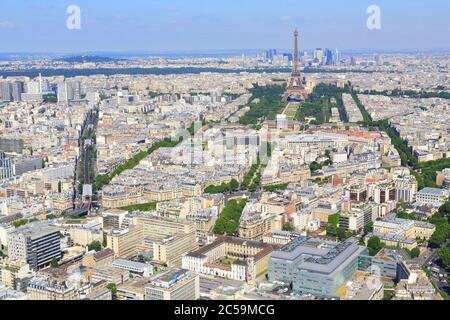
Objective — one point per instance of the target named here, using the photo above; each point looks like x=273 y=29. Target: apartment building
x=85 y=235
x=142 y=269
x=171 y=249
x=359 y=216
x=37 y=245
x=402 y=232
x=266 y=215
x=114 y=218
x=13 y=273
x=109 y=274
x=43 y=288
x=125 y=243
x=133 y=289
x=432 y=196
x=167 y=239
x=174 y=284
x=443 y=178
x=405 y=189
x=357 y=193
x=230 y=258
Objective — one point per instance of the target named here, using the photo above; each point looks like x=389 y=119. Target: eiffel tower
x=295 y=91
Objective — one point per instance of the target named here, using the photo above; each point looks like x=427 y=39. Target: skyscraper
x=46 y=87
x=40 y=83
x=62 y=93
x=34 y=87
x=74 y=90
x=68 y=91
x=6 y=91
x=336 y=57
x=289 y=56
x=378 y=60
x=17 y=90
x=328 y=59
x=318 y=56
x=270 y=54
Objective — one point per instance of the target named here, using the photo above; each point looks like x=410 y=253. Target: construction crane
x=44 y=209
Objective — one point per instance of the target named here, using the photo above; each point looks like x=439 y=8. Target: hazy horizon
x=225 y=52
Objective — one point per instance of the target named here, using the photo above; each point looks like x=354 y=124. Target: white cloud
x=172 y=8
x=120 y=17
x=7 y=24
x=285 y=18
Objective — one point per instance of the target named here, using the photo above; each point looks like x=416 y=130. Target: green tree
x=234 y=184
x=274 y=187
x=444 y=255
x=343 y=234
x=266 y=104
x=288 y=226
x=333 y=229
x=415 y=252
x=54 y=263
x=20 y=223
x=374 y=245
x=145 y=207
x=153 y=94
x=333 y=219
x=95 y=245
x=368 y=228
x=374 y=242
x=113 y=288
x=405 y=215
x=320 y=102
x=224 y=187
x=442 y=231
x=228 y=221
x=314 y=166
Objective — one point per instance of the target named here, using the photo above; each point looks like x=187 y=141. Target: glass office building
x=6 y=166
x=315 y=266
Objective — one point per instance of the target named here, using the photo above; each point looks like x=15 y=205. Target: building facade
x=36 y=246
x=315 y=266
x=175 y=284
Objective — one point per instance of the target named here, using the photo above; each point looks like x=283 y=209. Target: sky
x=196 y=25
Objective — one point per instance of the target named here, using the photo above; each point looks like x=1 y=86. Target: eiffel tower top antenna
x=295 y=57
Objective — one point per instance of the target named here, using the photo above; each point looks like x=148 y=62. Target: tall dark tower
x=295 y=70
x=295 y=91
